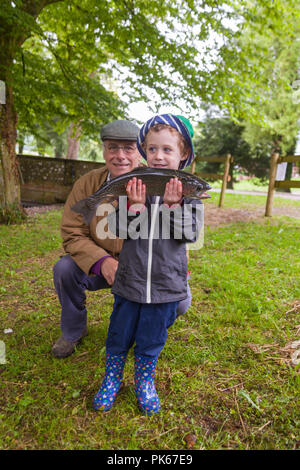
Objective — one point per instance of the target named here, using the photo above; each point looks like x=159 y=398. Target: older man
x=92 y=259
x=90 y=262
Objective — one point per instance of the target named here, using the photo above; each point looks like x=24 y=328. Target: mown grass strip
x=225 y=375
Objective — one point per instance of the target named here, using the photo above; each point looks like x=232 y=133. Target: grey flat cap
x=120 y=130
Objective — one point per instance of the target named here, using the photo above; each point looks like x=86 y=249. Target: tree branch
x=34 y=7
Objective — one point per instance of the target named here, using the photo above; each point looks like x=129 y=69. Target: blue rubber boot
x=147 y=398
x=105 y=397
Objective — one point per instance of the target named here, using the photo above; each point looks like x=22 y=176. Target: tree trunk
x=11 y=39
x=73 y=142
x=10 y=192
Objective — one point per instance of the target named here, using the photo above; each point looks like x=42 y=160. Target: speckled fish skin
x=155 y=180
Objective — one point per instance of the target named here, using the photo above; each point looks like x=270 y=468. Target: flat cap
x=120 y=130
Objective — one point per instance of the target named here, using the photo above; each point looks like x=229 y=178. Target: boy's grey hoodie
x=153 y=267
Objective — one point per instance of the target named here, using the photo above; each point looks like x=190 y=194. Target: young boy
x=152 y=274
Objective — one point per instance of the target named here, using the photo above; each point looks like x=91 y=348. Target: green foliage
x=221 y=135
x=265 y=61
x=74 y=49
x=11 y=214
x=80 y=62
x=186 y=50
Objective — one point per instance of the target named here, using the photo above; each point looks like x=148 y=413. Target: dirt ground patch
x=41 y=209
x=214 y=216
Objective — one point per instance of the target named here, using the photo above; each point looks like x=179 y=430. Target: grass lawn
x=228 y=377
x=257 y=203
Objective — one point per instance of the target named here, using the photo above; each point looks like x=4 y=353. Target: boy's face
x=163 y=149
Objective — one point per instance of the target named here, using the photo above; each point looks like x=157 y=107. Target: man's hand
x=173 y=192
x=108 y=269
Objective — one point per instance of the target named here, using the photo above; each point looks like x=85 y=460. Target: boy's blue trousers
x=144 y=324
x=71 y=284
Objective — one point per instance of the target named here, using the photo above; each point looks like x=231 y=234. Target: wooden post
x=225 y=178
x=272 y=178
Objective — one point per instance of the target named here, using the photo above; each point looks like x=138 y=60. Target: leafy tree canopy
x=71 y=51
x=219 y=136
x=268 y=52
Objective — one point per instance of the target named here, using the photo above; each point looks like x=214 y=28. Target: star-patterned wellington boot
x=147 y=398
x=105 y=397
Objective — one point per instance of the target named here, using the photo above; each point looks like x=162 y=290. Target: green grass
x=244 y=201
x=225 y=374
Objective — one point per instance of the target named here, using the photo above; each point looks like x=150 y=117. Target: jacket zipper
x=150 y=251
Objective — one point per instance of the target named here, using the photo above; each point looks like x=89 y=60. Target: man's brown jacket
x=87 y=244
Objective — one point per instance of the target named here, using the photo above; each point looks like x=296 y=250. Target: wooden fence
x=49 y=180
x=274 y=183
x=227 y=160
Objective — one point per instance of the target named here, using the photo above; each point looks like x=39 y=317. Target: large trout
x=155 y=180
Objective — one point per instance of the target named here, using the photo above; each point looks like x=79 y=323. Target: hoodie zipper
x=150 y=251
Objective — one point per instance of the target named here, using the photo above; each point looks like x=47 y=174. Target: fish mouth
x=203 y=196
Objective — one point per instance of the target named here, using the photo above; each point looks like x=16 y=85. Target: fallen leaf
x=190 y=440
x=246 y=395
x=295 y=307
x=260 y=348
x=2 y=353
x=294 y=357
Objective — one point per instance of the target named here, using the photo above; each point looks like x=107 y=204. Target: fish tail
x=85 y=208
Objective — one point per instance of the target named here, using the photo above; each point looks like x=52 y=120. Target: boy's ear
x=185 y=155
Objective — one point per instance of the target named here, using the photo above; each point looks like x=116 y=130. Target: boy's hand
x=173 y=192
x=136 y=191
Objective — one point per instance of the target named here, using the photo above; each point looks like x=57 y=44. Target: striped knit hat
x=180 y=123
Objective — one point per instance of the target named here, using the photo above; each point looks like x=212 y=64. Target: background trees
x=70 y=65
x=57 y=55
x=268 y=53
x=219 y=136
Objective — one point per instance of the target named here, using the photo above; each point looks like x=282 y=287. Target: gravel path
x=294 y=196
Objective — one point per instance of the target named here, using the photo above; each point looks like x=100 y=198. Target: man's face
x=120 y=156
